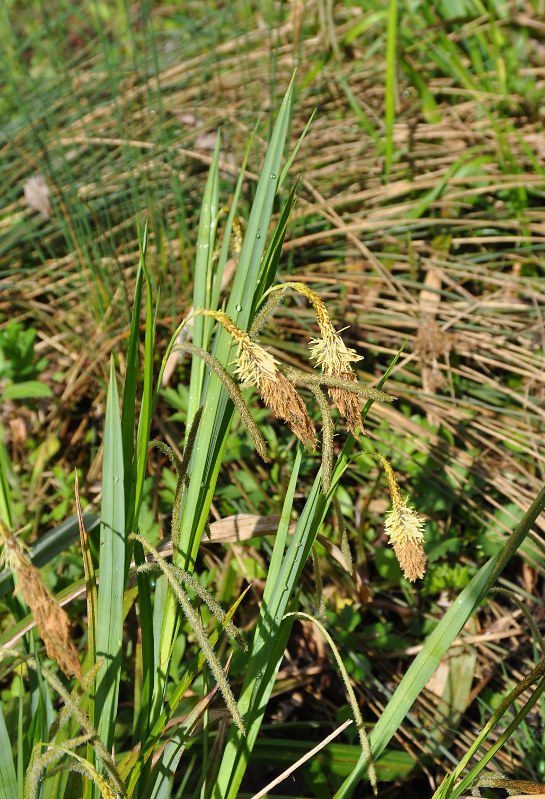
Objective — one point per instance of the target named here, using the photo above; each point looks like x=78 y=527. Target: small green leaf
x=29 y=389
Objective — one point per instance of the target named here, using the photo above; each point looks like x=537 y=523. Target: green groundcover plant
x=75 y=744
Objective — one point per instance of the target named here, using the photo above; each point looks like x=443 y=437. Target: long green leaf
x=128 y=413
x=5 y=500
x=218 y=412
x=391 y=87
x=8 y=775
x=238 y=748
x=201 y=297
x=147 y=406
x=203 y=280
x=112 y=570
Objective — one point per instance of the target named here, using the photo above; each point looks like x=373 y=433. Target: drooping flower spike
x=335 y=358
x=257 y=367
x=51 y=620
x=405 y=530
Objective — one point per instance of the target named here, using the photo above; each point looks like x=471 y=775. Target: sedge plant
x=71 y=749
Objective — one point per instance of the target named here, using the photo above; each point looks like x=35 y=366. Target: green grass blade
x=241 y=300
x=112 y=570
x=201 y=296
x=203 y=281
x=8 y=775
x=218 y=412
x=391 y=87
x=5 y=501
x=438 y=644
x=147 y=406
x=128 y=412
x=20 y=746
x=147 y=646
x=226 y=243
x=238 y=749
x=271 y=259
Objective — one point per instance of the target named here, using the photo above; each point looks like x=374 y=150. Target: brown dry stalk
x=51 y=620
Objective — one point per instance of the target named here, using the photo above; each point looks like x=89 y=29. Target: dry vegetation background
x=445 y=253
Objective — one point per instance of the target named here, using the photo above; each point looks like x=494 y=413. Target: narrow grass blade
x=5 y=501
x=20 y=745
x=112 y=570
x=391 y=87
x=203 y=280
x=147 y=645
x=226 y=243
x=271 y=258
x=462 y=785
x=147 y=404
x=8 y=775
x=128 y=413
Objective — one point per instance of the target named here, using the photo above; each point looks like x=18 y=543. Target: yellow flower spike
x=333 y=356
x=257 y=367
x=404 y=528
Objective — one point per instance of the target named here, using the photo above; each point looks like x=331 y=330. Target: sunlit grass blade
x=391 y=86
x=5 y=500
x=238 y=748
x=271 y=258
x=449 y=788
x=147 y=403
x=112 y=570
x=203 y=280
x=201 y=296
x=226 y=243
x=128 y=412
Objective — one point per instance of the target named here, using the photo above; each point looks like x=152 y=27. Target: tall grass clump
x=435 y=172
x=80 y=739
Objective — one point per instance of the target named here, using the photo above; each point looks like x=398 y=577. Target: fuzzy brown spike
x=257 y=367
x=284 y=401
x=51 y=620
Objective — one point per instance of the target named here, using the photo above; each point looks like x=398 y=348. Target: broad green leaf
x=28 y=389
x=112 y=570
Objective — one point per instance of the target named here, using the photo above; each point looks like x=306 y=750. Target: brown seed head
x=281 y=397
x=257 y=367
x=51 y=620
x=335 y=358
